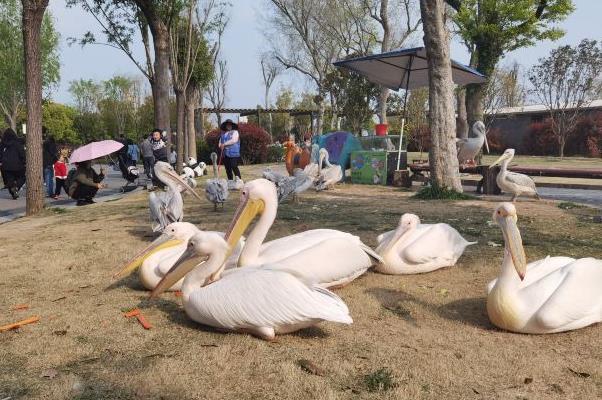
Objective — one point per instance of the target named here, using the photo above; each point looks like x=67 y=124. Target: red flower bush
x=254 y=142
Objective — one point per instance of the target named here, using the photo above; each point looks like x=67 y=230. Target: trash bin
x=381 y=129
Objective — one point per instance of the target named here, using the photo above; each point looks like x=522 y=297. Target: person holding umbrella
x=84 y=182
x=229 y=144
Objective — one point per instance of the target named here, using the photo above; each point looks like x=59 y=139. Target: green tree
x=12 y=73
x=492 y=28
x=59 y=121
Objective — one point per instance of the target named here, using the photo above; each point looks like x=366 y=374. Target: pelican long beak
x=486 y=144
x=162 y=242
x=186 y=263
x=514 y=244
x=321 y=161
x=499 y=160
x=246 y=212
x=182 y=182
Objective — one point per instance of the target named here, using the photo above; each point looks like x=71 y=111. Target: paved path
x=11 y=209
x=581 y=196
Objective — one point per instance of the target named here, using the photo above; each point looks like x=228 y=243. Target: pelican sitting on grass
x=158 y=257
x=261 y=301
x=328 y=176
x=414 y=248
x=511 y=182
x=555 y=294
x=216 y=189
x=325 y=256
x=468 y=148
x=167 y=206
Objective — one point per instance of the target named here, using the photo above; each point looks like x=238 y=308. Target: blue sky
x=244 y=41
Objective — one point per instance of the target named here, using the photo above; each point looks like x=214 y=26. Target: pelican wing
x=434 y=242
x=158 y=216
x=520 y=180
x=250 y=297
x=577 y=298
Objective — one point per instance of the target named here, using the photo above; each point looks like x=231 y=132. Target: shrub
x=495 y=140
x=541 y=140
x=275 y=153
x=254 y=142
x=419 y=139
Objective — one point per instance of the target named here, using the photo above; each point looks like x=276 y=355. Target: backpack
x=69 y=181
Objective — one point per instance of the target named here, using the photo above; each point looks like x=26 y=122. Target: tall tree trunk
x=192 y=96
x=201 y=123
x=383 y=96
x=442 y=157
x=180 y=112
x=33 y=13
x=185 y=136
x=319 y=119
x=474 y=103
x=461 y=121
x=162 y=79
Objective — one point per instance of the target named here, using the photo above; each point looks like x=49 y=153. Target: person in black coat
x=12 y=162
x=49 y=157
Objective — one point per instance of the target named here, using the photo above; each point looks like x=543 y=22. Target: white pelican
x=288 y=185
x=555 y=294
x=236 y=184
x=325 y=256
x=328 y=176
x=414 y=248
x=158 y=257
x=261 y=301
x=468 y=148
x=167 y=206
x=216 y=189
x=313 y=169
x=511 y=182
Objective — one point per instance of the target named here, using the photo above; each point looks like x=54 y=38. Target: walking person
x=60 y=175
x=229 y=144
x=133 y=153
x=12 y=162
x=49 y=157
x=148 y=158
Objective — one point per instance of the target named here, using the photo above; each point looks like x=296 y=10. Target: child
x=60 y=174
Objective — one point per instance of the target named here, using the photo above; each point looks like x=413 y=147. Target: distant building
x=513 y=123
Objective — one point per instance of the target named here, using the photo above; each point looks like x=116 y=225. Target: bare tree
x=442 y=156
x=504 y=89
x=301 y=43
x=269 y=71
x=566 y=82
x=393 y=35
x=216 y=92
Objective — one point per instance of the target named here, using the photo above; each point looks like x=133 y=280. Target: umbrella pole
x=405 y=107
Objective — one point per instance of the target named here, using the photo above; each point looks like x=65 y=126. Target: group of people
x=85 y=181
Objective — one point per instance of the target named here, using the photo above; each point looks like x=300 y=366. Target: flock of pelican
x=265 y=288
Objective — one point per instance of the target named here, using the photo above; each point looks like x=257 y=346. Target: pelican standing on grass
x=287 y=186
x=167 y=206
x=468 y=148
x=511 y=182
x=555 y=294
x=414 y=248
x=216 y=189
x=261 y=301
x=328 y=176
x=158 y=257
x=325 y=256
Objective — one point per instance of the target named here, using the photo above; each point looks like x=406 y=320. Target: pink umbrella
x=94 y=150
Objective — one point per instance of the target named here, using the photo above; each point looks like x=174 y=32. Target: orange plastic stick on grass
x=19 y=324
x=132 y=313
x=21 y=307
x=143 y=321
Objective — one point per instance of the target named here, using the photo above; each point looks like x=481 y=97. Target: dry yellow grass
x=430 y=331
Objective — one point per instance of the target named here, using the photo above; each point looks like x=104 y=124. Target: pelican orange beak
x=182 y=182
x=514 y=244
x=186 y=263
x=245 y=213
x=164 y=241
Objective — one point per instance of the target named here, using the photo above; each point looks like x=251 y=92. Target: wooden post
x=488 y=185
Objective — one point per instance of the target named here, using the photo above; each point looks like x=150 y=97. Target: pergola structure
x=244 y=112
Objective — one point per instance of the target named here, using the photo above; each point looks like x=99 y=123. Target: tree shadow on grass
x=470 y=311
x=131 y=282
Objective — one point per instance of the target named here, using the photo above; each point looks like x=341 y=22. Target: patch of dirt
x=429 y=332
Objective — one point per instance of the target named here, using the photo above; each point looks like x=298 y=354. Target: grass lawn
x=533 y=161
x=413 y=337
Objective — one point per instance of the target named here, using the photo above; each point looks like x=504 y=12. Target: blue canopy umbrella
x=405 y=69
